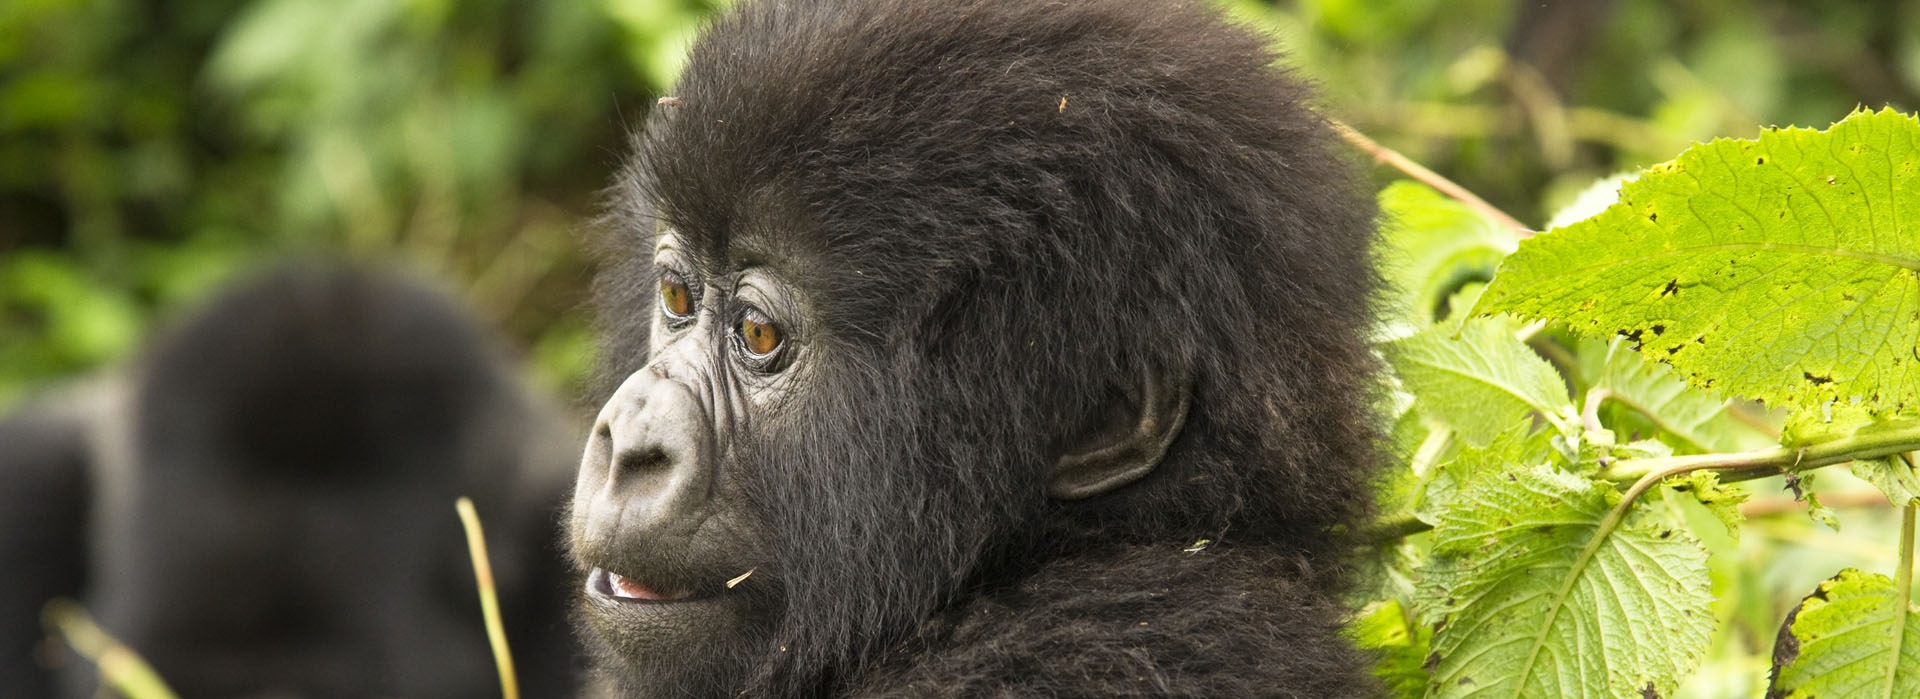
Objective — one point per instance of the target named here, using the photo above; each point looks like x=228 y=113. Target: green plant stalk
x=120 y=667
x=1765 y=462
x=1745 y=465
x=1903 y=595
x=1431 y=449
x=489 y=598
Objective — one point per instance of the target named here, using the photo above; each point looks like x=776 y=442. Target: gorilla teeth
x=615 y=585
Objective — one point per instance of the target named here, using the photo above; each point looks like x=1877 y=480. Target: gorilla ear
x=1115 y=459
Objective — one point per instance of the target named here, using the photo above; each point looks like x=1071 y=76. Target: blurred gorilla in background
x=940 y=331
x=262 y=503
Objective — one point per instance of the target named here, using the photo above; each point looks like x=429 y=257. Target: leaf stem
x=1399 y=525
x=1903 y=595
x=1872 y=444
x=1590 y=416
x=489 y=598
x=1430 y=178
x=1746 y=465
x=1431 y=450
x=120 y=667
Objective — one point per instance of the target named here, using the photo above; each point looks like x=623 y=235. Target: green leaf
x=1893 y=475
x=1535 y=597
x=1853 y=637
x=1431 y=246
x=1399 y=647
x=1480 y=382
x=1519 y=446
x=1785 y=269
x=1695 y=418
x=1589 y=202
x=1721 y=501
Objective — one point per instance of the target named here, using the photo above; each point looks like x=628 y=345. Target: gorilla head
x=916 y=307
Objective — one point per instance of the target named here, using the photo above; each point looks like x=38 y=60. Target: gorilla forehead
x=887 y=137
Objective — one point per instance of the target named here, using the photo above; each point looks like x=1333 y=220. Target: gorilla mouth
x=607 y=584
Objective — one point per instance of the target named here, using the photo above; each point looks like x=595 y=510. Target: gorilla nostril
x=641 y=460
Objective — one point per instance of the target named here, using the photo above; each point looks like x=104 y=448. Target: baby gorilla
x=979 y=348
x=262 y=504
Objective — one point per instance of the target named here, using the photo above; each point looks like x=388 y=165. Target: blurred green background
x=151 y=150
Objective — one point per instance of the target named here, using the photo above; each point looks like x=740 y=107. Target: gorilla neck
x=1227 y=620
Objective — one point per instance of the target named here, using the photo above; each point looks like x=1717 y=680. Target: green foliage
x=1538 y=590
x=150 y=151
x=1584 y=552
x=1893 y=475
x=1855 y=636
x=1779 y=269
x=1434 y=246
x=1480 y=380
x=84 y=324
x=1692 y=420
x=1400 y=643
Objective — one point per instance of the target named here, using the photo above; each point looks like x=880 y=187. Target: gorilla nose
x=647 y=470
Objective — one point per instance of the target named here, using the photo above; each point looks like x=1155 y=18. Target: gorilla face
x=659 y=510
x=763 y=487
x=909 y=302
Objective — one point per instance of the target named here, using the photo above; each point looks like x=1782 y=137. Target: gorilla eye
x=760 y=337
x=675 y=298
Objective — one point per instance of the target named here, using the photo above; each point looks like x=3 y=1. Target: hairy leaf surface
x=1785 y=269
x=1530 y=605
x=1853 y=637
x=1482 y=382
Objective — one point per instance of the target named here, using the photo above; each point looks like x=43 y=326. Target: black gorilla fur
x=996 y=216
x=262 y=504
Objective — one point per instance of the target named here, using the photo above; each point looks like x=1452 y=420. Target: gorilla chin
x=681 y=645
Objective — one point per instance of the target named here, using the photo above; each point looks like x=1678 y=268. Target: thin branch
x=1430 y=178
x=1584 y=124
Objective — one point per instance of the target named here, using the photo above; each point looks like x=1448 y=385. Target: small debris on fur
x=743 y=576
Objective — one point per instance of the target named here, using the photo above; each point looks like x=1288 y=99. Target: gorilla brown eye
x=675 y=298
x=761 y=338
